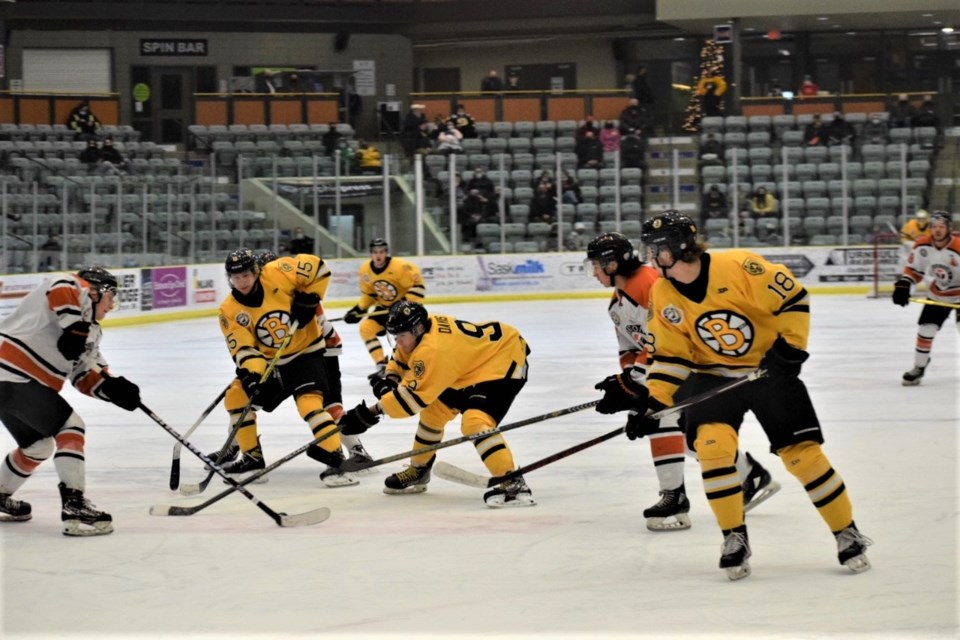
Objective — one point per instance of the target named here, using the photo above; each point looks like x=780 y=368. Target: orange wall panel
x=251 y=111
x=520 y=109
x=801 y=107
x=322 y=112
x=568 y=108
x=35 y=111
x=285 y=112
x=108 y=111
x=6 y=110
x=211 y=111
x=482 y=109
x=434 y=108
x=864 y=107
x=607 y=108
x=763 y=110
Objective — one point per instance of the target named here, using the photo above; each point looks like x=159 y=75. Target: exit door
x=174 y=105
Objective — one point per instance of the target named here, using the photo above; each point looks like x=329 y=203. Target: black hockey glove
x=121 y=392
x=304 y=307
x=901 y=292
x=382 y=385
x=639 y=424
x=358 y=420
x=73 y=341
x=783 y=359
x=620 y=392
x=250 y=382
x=354 y=316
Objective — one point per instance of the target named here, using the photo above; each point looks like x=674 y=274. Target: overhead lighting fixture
x=937 y=22
x=835 y=26
x=823 y=18
x=679 y=39
x=750 y=29
x=851 y=33
x=926 y=15
x=947 y=29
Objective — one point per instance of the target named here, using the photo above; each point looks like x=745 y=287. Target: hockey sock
x=668 y=448
x=21 y=463
x=823 y=485
x=235 y=401
x=69 y=458
x=493 y=450
x=925 y=335
x=716 y=446
x=368 y=332
x=310 y=406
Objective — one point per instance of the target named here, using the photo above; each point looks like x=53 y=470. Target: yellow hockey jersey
x=397 y=280
x=453 y=354
x=747 y=302
x=255 y=325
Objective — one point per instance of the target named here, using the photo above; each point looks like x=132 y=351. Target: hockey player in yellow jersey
x=719 y=316
x=384 y=281
x=443 y=366
x=255 y=319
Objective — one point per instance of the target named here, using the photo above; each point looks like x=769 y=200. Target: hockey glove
x=250 y=382
x=382 y=385
x=639 y=422
x=783 y=359
x=358 y=420
x=73 y=341
x=304 y=307
x=121 y=392
x=354 y=316
x=901 y=292
x=620 y=392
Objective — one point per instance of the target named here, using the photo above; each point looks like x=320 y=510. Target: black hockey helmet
x=379 y=242
x=240 y=261
x=670 y=230
x=407 y=316
x=266 y=256
x=614 y=246
x=941 y=216
x=101 y=279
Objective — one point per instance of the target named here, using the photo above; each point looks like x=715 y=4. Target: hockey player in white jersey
x=54 y=335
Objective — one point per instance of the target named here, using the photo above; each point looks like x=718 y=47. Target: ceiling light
x=851 y=33
x=750 y=29
x=937 y=22
x=926 y=15
x=947 y=29
x=679 y=39
x=835 y=26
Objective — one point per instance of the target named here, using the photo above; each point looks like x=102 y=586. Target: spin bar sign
x=173 y=47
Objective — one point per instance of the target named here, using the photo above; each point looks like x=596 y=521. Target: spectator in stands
x=293 y=84
x=814 y=134
x=711 y=101
x=632 y=117
x=776 y=91
x=577 y=239
x=874 y=131
x=354 y=106
x=902 y=113
x=448 y=140
x=808 y=87
x=83 y=123
x=476 y=209
x=546 y=178
x=543 y=207
x=762 y=203
x=513 y=82
x=492 y=82
x=423 y=142
x=633 y=149
x=588 y=126
x=610 y=137
x=299 y=242
x=711 y=151
x=839 y=131
x=91 y=153
x=714 y=204
x=370 y=161
x=460 y=193
x=410 y=130
x=641 y=89
x=570 y=189
x=481 y=182
x=463 y=122
x=589 y=151
x=926 y=114
x=269 y=85
x=53 y=243
x=331 y=139
x=111 y=159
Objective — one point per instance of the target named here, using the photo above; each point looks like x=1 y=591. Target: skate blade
x=910 y=383
x=79 y=529
x=857 y=564
x=762 y=495
x=6 y=517
x=417 y=488
x=522 y=501
x=339 y=480
x=738 y=573
x=677 y=522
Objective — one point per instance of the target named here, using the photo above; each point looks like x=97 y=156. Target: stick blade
x=170 y=510
x=175 y=475
x=191 y=489
x=452 y=473
x=304 y=519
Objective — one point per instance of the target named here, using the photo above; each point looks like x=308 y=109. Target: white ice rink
x=442 y=565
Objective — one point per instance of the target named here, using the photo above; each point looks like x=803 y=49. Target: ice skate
x=245 y=465
x=80 y=516
x=670 y=514
x=358 y=455
x=333 y=476
x=759 y=485
x=413 y=479
x=229 y=454
x=851 y=549
x=14 y=510
x=512 y=493
x=734 y=554
x=912 y=378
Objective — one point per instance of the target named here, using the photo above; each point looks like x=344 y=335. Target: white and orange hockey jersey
x=943 y=266
x=629 y=308
x=28 y=338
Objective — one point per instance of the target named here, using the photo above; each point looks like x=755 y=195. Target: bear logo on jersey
x=385 y=290
x=726 y=332
x=243 y=319
x=753 y=267
x=273 y=328
x=419 y=368
x=672 y=315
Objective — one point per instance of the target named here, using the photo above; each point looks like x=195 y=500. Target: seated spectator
x=902 y=113
x=543 y=207
x=632 y=117
x=463 y=122
x=711 y=151
x=492 y=82
x=370 y=161
x=83 y=123
x=52 y=243
x=776 y=91
x=448 y=140
x=926 y=114
x=111 y=159
x=610 y=137
x=714 y=204
x=808 y=87
x=476 y=209
x=330 y=139
x=482 y=182
x=589 y=151
x=578 y=238
x=840 y=131
x=588 y=126
x=814 y=134
x=299 y=242
x=874 y=131
x=546 y=178
x=763 y=204
x=633 y=149
x=570 y=189
x=91 y=154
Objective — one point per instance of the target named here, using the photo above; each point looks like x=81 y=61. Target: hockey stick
x=173 y=510
x=349 y=467
x=194 y=489
x=282 y=519
x=372 y=314
x=936 y=303
x=175 y=464
x=462 y=476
